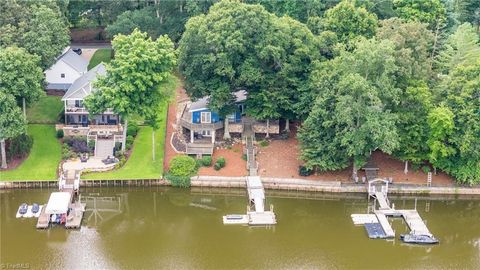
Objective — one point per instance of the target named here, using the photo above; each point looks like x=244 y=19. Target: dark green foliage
x=244 y=157
x=19 y=146
x=60 y=133
x=206 y=161
x=130 y=140
x=182 y=165
x=220 y=163
x=181 y=168
x=264 y=143
x=77 y=144
x=304 y=171
x=132 y=129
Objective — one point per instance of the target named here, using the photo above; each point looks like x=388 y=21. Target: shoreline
x=283 y=184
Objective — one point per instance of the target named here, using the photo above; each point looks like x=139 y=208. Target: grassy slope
x=45 y=110
x=140 y=164
x=101 y=55
x=43 y=159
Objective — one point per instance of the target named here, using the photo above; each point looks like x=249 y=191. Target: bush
x=19 y=146
x=178 y=181
x=129 y=142
x=77 y=144
x=304 y=171
x=244 y=157
x=264 y=143
x=221 y=161
x=219 y=164
x=91 y=145
x=67 y=153
x=206 y=161
x=132 y=129
x=182 y=166
x=60 y=133
x=426 y=169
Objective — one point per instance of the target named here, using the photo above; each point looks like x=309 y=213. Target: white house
x=68 y=67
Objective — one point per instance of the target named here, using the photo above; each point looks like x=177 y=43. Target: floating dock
x=256 y=198
x=377 y=225
x=65 y=203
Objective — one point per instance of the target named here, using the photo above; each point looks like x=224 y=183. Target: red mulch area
x=171 y=122
x=234 y=164
x=280 y=159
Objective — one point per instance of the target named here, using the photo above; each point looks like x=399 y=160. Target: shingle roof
x=82 y=86
x=74 y=60
x=202 y=103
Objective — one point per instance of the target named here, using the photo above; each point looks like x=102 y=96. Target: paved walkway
x=104 y=148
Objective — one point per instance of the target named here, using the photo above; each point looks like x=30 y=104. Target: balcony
x=82 y=110
x=186 y=122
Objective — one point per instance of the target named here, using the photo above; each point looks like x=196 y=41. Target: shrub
x=182 y=166
x=80 y=146
x=60 y=133
x=91 y=145
x=426 y=169
x=129 y=142
x=221 y=161
x=206 y=161
x=132 y=129
x=19 y=146
x=67 y=153
x=264 y=143
x=304 y=171
x=244 y=157
x=178 y=181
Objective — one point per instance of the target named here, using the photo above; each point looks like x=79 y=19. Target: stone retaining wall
x=269 y=183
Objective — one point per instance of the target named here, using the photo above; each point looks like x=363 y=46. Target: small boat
x=418 y=239
x=35 y=208
x=22 y=210
x=235 y=219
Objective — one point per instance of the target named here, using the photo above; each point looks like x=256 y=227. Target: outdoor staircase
x=249 y=137
x=104 y=148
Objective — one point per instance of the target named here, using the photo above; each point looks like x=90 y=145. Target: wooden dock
x=43 y=220
x=382 y=219
x=74 y=218
x=415 y=222
x=378 y=189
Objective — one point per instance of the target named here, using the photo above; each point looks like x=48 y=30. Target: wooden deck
x=387 y=228
x=200 y=148
x=415 y=222
x=43 y=220
x=75 y=216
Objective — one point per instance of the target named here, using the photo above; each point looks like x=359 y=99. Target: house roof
x=74 y=60
x=202 y=103
x=82 y=86
x=58 y=203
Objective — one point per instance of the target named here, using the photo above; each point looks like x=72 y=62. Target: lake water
x=168 y=228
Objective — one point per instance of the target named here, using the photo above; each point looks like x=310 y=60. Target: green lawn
x=140 y=165
x=101 y=55
x=44 y=157
x=45 y=110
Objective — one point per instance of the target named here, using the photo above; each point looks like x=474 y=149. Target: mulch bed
x=234 y=165
x=280 y=159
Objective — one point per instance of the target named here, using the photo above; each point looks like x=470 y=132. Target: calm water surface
x=167 y=228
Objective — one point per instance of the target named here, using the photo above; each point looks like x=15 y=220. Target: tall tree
x=241 y=46
x=425 y=11
x=413 y=45
x=461 y=48
x=21 y=75
x=12 y=123
x=456 y=144
x=356 y=92
x=350 y=22
x=43 y=32
x=132 y=84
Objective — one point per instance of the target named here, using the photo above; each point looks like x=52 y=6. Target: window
x=62 y=75
x=206 y=117
x=231 y=118
x=78 y=103
x=206 y=133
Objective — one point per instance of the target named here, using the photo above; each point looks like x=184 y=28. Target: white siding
x=53 y=74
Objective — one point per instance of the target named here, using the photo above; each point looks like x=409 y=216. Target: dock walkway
x=415 y=222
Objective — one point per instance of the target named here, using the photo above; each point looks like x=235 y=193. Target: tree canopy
x=20 y=74
x=39 y=28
